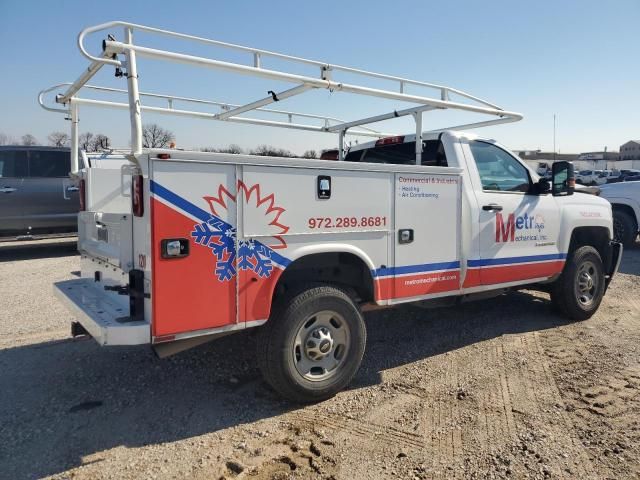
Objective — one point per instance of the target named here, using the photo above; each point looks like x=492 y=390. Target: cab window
x=499 y=171
x=402 y=154
x=43 y=163
x=13 y=163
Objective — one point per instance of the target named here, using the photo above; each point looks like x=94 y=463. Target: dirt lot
x=498 y=389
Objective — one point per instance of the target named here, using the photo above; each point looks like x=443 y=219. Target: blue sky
x=577 y=59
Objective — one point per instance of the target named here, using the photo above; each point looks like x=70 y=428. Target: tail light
x=390 y=141
x=82 y=195
x=137 y=197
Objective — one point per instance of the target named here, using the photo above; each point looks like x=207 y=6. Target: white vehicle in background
x=204 y=244
x=590 y=177
x=625 y=201
x=611 y=176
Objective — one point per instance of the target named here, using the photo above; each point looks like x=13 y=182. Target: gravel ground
x=498 y=389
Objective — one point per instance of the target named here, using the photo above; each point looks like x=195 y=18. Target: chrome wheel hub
x=321 y=345
x=586 y=284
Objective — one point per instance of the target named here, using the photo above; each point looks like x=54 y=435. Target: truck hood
x=622 y=189
x=581 y=198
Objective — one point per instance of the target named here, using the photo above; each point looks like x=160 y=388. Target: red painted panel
x=514 y=273
x=472 y=278
x=256 y=293
x=186 y=295
x=417 y=285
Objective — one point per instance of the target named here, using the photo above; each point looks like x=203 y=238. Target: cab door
x=53 y=201
x=13 y=169
x=518 y=230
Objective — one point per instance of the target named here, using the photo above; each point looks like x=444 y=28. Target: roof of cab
x=432 y=135
x=34 y=147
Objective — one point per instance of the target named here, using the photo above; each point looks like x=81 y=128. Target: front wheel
x=313 y=345
x=577 y=293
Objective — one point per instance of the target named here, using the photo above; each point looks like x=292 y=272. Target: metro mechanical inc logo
x=523 y=228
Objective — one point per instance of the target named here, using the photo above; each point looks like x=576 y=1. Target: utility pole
x=554 y=137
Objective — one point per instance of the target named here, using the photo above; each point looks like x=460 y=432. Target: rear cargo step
x=103 y=316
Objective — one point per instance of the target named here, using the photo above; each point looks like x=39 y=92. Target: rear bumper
x=105 y=318
x=614 y=264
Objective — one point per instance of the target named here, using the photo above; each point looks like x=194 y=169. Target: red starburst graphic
x=262 y=212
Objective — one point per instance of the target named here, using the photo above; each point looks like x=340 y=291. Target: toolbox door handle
x=405 y=235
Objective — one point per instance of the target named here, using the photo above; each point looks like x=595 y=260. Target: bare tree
x=7 y=139
x=85 y=141
x=93 y=143
x=101 y=142
x=154 y=136
x=269 y=151
x=29 y=139
x=233 y=149
x=58 y=139
x=310 y=154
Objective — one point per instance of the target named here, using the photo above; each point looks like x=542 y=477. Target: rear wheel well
x=339 y=268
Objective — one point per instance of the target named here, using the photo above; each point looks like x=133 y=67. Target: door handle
x=492 y=207
x=7 y=190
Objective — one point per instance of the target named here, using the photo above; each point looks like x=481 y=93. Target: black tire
x=575 y=295
x=625 y=228
x=282 y=357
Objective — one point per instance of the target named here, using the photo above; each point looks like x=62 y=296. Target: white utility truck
x=180 y=247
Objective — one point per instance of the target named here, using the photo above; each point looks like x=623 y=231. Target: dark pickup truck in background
x=37 y=197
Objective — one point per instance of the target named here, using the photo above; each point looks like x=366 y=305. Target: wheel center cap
x=325 y=346
x=319 y=343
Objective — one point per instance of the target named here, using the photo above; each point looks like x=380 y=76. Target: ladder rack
x=122 y=55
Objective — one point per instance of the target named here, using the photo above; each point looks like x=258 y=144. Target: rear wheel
x=579 y=290
x=625 y=229
x=313 y=345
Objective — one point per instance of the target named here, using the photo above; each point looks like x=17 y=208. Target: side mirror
x=563 y=180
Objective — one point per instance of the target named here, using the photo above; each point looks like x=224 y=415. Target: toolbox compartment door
x=427 y=235
x=193 y=203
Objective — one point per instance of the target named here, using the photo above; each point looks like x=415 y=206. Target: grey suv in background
x=36 y=194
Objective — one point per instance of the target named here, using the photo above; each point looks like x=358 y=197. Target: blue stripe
x=425 y=267
x=511 y=260
x=181 y=203
x=203 y=216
